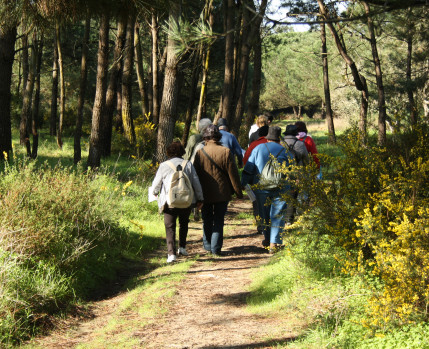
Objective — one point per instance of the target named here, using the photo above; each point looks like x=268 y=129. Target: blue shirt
x=228 y=140
x=259 y=157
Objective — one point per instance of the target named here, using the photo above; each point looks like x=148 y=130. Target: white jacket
x=162 y=181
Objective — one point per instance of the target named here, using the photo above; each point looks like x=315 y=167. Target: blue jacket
x=228 y=140
x=259 y=157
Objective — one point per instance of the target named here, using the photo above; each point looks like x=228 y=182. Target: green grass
x=67 y=233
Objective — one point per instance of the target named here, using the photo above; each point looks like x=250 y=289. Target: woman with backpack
x=176 y=173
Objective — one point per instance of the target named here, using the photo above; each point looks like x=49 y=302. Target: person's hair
x=301 y=126
x=212 y=132
x=262 y=120
x=175 y=150
x=269 y=115
x=202 y=125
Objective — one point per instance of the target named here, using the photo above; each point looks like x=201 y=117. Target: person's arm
x=234 y=176
x=157 y=181
x=237 y=151
x=198 y=190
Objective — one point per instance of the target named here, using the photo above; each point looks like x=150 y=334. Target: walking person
x=195 y=142
x=271 y=203
x=219 y=179
x=300 y=153
x=230 y=141
x=161 y=186
x=308 y=141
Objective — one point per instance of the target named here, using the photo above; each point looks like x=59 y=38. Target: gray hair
x=202 y=125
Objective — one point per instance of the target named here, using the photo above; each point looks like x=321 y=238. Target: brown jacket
x=218 y=185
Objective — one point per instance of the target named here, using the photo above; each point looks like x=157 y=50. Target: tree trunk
x=363 y=112
x=167 y=116
x=54 y=94
x=24 y=56
x=227 y=92
x=253 y=106
x=140 y=70
x=411 y=104
x=382 y=112
x=36 y=102
x=25 y=124
x=112 y=88
x=100 y=92
x=155 y=90
x=127 y=73
x=7 y=53
x=329 y=116
x=82 y=89
x=341 y=48
x=196 y=64
x=62 y=86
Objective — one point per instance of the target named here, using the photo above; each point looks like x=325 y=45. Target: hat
x=274 y=134
x=222 y=122
x=291 y=130
x=212 y=132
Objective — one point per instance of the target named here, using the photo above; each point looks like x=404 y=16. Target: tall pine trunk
x=411 y=103
x=82 y=90
x=35 y=120
x=140 y=70
x=253 y=106
x=54 y=92
x=196 y=64
x=25 y=123
x=326 y=89
x=95 y=144
x=382 y=112
x=155 y=89
x=167 y=115
x=127 y=73
x=112 y=87
x=7 y=53
x=62 y=86
x=225 y=106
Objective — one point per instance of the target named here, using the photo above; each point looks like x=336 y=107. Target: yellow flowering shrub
x=373 y=207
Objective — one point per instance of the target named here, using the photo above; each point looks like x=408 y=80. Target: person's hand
x=200 y=205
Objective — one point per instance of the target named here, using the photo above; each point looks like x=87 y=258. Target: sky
x=280 y=14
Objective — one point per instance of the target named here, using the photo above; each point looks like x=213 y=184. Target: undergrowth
x=65 y=234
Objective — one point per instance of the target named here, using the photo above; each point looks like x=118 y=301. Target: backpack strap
x=277 y=153
x=291 y=147
x=184 y=162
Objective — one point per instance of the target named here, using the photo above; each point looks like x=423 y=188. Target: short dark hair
x=175 y=150
x=212 y=132
x=269 y=115
x=301 y=126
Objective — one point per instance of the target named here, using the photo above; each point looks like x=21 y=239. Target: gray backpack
x=181 y=192
x=271 y=177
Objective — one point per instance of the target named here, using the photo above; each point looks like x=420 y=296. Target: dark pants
x=213 y=215
x=170 y=217
x=290 y=211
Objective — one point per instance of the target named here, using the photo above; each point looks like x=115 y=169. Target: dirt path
x=209 y=307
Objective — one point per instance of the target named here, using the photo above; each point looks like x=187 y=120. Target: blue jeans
x=272 y=210
x=213 y=215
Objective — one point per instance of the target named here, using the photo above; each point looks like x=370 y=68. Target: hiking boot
x=182 y=251
x=265 y=243
x=171 y=258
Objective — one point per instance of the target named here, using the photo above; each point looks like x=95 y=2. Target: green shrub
x=60 y=240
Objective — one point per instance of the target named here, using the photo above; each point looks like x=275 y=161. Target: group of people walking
x=209 y=163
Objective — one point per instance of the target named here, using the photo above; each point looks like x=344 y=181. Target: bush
x=372 y=206
x=59 y=241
